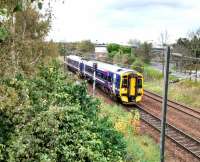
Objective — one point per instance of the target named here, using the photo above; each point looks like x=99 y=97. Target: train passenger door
x=132 y=86
x=81 y=67
x=113 y=83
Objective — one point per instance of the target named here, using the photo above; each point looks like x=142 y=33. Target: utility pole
x=164 y=106
x=94 y=77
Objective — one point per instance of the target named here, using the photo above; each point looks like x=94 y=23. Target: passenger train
x=121 y=83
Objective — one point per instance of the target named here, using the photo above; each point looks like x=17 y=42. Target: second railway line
x=174 y=105
x=182 y=122
x=180 y=138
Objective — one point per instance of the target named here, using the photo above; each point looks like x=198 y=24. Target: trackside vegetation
x=140 y=148
x=183 y=91
x=49 y=117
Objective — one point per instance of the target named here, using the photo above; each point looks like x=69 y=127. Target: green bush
x=112 y=54
x=139 y=147
x=116 y=49
x=50 y=118
x=113 y=47
x=125 y=49
x=138 y=65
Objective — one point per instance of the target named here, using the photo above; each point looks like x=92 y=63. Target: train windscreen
x=139 y=83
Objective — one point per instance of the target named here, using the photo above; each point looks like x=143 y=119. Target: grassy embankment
x=140 y=148
x=184 y=91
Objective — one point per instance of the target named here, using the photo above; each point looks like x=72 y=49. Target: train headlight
x=140 y=90
x=123 y=89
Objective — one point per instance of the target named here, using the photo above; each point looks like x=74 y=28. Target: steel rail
x=182 y=108
x=180 y=138
x=183 y=140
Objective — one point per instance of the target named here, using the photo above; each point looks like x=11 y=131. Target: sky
x=105 y=21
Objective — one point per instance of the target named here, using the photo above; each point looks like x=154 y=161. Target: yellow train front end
x=131 y=87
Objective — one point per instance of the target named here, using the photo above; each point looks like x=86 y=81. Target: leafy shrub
x=138 y=65
x=139 y=147
x=113 y=47
x=50 y=118
x=112 y=54
x=115 y=51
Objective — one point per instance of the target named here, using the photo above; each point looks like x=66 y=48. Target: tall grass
x=140 y=148
x=151 y=73
x=187 y=92
x=184 y=91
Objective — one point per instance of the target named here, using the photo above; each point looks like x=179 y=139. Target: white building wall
x=101 y=50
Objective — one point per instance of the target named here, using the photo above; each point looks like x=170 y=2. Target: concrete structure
x=101 y=51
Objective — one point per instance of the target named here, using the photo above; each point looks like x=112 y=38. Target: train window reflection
x=139 y=83
x=124 y=83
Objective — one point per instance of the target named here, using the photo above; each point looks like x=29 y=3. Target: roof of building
x=101 y=49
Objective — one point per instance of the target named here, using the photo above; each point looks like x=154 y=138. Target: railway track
x=177 y=106
x=178 y=137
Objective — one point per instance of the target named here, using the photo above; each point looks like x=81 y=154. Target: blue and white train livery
x=122 y=83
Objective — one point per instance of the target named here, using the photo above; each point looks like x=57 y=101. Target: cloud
x=148 y=4
x=117 y=20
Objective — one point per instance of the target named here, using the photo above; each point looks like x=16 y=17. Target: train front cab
x=131 y=87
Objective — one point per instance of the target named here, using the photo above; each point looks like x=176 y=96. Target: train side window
x=125 y=82
x=139 y=83
x=89 y=69
x=109 y=79
x=98 y=74
x=117 y=81
x=104 y=77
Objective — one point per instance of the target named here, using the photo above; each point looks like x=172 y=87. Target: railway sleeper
x=180 y=141
x=153 y=120
x=172 y=132
x=198 y=151
x=191 y=144
x=179 y=138
x=148 y=118
x=174 y=135
x=185 y=142
x=144 y=116
x=194 y=148
x=157 y=125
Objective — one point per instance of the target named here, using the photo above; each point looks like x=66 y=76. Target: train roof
x=102 y=66
x=109 y=67
x=74 y=57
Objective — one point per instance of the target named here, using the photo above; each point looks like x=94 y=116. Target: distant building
x=101 y=51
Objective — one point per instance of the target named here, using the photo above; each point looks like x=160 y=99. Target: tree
x=144 y=52
x=24 y=48
x=189 y=48
x=113 y=47
x=85 y=47
x=62 y=49
x=50 y=118
x=182 y=46
x=195 y=49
